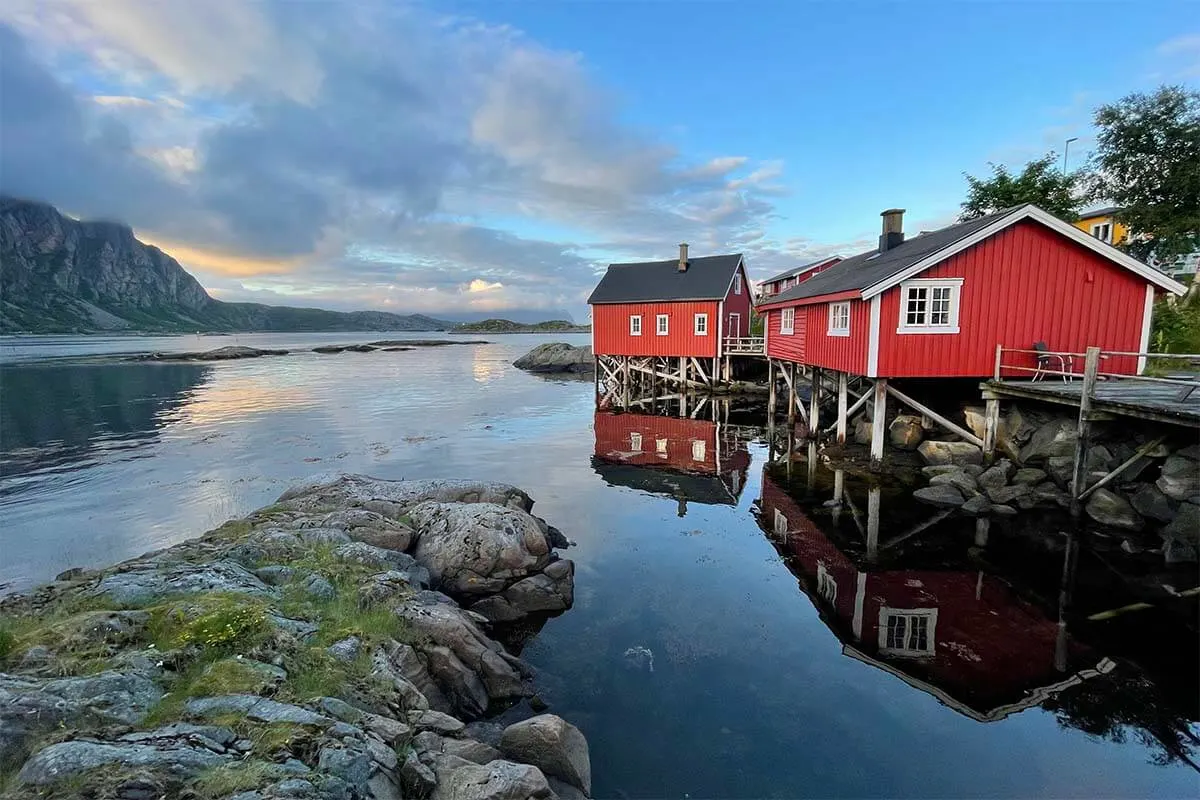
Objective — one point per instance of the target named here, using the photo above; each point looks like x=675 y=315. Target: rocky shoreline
x=336 y=645
x=1153 y=505
x=234 y=352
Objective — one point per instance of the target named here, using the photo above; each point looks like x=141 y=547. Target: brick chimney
x=893 y=229
x=683 y=256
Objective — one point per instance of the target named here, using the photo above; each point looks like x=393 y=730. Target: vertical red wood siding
x=1023 y=285
x=610 y=325
x=789 y=347
x=614 y=444
x=738 y=304
x=843 y=353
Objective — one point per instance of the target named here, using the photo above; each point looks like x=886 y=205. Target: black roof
x=867 y=269
x=706 y=278
x=798 y=270
x=1107 y=211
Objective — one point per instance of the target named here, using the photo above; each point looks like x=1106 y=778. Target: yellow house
x=1103 y=225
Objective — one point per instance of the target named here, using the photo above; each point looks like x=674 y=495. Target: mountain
x=527 y=316
x=59 y=275
x=508 y=326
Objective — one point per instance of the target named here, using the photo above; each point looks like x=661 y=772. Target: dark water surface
x=707 y=655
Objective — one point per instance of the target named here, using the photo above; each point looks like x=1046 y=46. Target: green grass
x=1176 y=326
x=229 y=676
x=230 y=779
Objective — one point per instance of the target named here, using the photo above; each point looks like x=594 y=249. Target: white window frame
x=827 y=587
x=635 y=442
x=1103 y=227
x=700 y=325
x=737 y=282
x=660 y=445
x=928 y=614
x=698 y=450
x=635 y=324
x=662 y=324
x=787 y=321
x=930 y=285
x=836 y=312
x=780 y=523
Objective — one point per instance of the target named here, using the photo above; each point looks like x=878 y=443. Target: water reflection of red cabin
x=693 y=447
x=963 y=636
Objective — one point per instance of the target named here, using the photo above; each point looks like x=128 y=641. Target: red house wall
x=610 y=326
x=1023 y=285
x=811 y=344
x=738 y=304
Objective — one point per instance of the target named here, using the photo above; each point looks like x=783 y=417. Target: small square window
x=635 y=325
x=929 y=306
x=1103 y=231
x=701 y=325
x=698 y=449
x=908 y=632
x=661 y=324
x=839 y=319
x=635 y=442
x=660 y=446
x=780 y=524
x=787 y=321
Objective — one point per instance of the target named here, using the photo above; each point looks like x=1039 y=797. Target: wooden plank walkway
x=1127 y=398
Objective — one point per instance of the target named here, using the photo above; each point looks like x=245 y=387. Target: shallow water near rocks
x=708 y=654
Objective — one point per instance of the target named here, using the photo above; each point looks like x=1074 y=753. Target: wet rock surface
x=294 y=654
x=557 y=357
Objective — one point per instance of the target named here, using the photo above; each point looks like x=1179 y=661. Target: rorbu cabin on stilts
x=946 y=305
x=670 y=326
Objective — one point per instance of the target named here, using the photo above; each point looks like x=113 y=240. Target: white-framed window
x=839 y=318
x=698 y=449
x=660 y=446
x=635 y=325
x=780 y=524
x=1103 y=231
x=787 y=321
x=929 y=305
x=737 y=283
x=826 y=585
x=661 y=324
x=635 y=442
x=701 y=325
x=907 y=631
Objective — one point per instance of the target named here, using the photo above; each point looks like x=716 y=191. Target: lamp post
x=1067 y=149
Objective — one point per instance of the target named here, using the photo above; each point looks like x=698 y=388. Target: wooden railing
x=1089 y=366
x=745 y=345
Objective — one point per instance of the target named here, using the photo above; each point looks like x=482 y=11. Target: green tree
x=1040 y=182
x=1147 y=163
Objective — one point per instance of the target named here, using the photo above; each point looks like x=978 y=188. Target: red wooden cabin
x=792 y=277
x=966 y=637
x=938 y=304
x=683 y=307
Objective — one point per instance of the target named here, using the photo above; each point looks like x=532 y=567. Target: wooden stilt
x=841 y=408
x=873 y=520
x=770 y=391
x=596 y=380
x=878 y=422
x=936 y=417
x=1083 y=443
x=814 y=403
x=625 y=378
x=850 y=412
x=991 y=423
x=791 y=384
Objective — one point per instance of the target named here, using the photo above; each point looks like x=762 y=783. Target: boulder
x=1192 y=451
x=371 y=556
x=979 y=504
x=1061 y=470
x=1185 y=527
x=862 y=430
x=393 y=498
x=436 y=721
x=497 y=780
x=1048 y=494
x=940 y=469
x=935 y=452
x=1111 y=509
x=1180 y=478
x=553 y=745
x=1030 y=476
x=479 y=548
x=144 y=583
x=346 y=650
x=975 y=419
x=1176 y=552
x=557 y=357
x=64 y=759
x=1152 y=503
x=1055 y=438
x=1007 y=494
x=905 y=432
x=943 y=496
x=256 y=708
x=959 y=479
x=997 y=475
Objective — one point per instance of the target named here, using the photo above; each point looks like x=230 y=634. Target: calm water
x=707 y=655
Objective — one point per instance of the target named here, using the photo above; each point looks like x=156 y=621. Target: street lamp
x=1067 y=149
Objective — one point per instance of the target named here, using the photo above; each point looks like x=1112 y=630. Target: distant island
x=508 y=326
x=62 y=275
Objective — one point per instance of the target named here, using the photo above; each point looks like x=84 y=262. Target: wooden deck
x=1127 y=398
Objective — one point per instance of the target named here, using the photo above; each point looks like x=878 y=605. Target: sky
x=454 y=157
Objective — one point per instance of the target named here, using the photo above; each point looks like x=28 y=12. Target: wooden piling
x=878 y=423
x=791 y=382
x=1091 y=366
x=814 y=403
x=991 y=424
x=770 y=391
x=842 y=391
